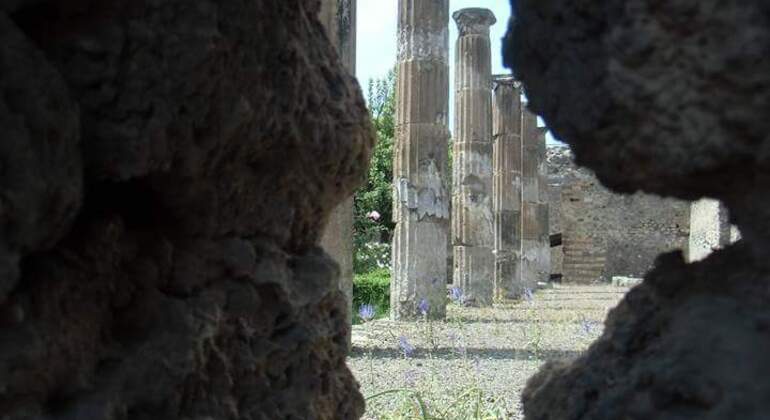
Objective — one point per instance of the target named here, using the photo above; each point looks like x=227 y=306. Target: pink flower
x=374 y=215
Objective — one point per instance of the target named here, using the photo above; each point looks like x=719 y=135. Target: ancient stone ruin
x=606 y=234
x=472 y=220
x=168 y=169
x=176 y=181
x=421 y=191
x=668 y=98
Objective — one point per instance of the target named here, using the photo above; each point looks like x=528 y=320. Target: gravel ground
x=492 y=351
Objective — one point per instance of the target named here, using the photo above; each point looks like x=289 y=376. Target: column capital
x=474 y=20
x=505 y=80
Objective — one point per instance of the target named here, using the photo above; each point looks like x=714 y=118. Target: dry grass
x=477 y=362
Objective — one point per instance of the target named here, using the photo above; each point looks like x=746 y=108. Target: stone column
x=543 y=220
x=506 y=181
x=530 y=196
x=710 y=229
x=421 y=199
x=339 y=19
x=472 y=220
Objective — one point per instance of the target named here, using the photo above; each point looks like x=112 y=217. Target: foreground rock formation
x=649 y=106
x=166 y=175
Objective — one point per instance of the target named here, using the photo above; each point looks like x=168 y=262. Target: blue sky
x=376 y=37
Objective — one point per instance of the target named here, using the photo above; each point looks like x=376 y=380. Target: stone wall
x=607 y=234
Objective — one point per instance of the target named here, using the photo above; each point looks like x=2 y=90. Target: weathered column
x=530 y=196
x=710 y=229
x=339 y=19
x=472 y=220
x=543 y=221
x=506 y=181
x=421 y=199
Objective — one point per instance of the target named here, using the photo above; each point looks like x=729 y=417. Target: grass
x=474 y=364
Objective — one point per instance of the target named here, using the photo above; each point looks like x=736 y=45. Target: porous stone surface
x=472 y=219
x=421 y=152
x=680 y=346
x=605 y=233
x=635 y=96
x=41 y=171
x=177 y=170
x=651 y=106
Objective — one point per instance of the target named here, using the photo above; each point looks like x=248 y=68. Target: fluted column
x=506 y=182
x=472 y=219
x=530 y=205
x=421 y=198
x=339 y=19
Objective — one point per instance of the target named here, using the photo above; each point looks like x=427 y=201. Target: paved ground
x=484 y=355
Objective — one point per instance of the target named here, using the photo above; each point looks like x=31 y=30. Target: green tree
x=376 y=194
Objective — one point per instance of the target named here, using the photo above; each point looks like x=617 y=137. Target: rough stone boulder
x=669 y=97
x=166 y=168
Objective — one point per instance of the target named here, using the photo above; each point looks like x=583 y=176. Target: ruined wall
x=166 y=176
x=607 y=234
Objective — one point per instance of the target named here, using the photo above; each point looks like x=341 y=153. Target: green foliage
x=372 y=288
x=376 y=194
x=370 y=256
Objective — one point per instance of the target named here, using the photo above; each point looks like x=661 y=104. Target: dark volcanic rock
x=661 y=96
x=41 y=175
x=669 y=97
x=207 y=141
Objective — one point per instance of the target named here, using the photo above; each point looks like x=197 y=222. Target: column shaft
x=421 y=199
x=472 y=218
x=339 y=19
x=530 y=204
x=506 y=196
x=543 y=221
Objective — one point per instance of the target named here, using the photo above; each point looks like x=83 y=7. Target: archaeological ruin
x=421 y=191
x=472 y=220
x=176 y=201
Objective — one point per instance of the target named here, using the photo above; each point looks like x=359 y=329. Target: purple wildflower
x=587 y=326
x=366 y=312
x=528 y=295
x=456 y=294
x=423 y=307
x=406 y=348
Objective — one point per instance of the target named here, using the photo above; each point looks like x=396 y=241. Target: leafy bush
x=372 y=288
x=371 y=256
x=373 y=202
